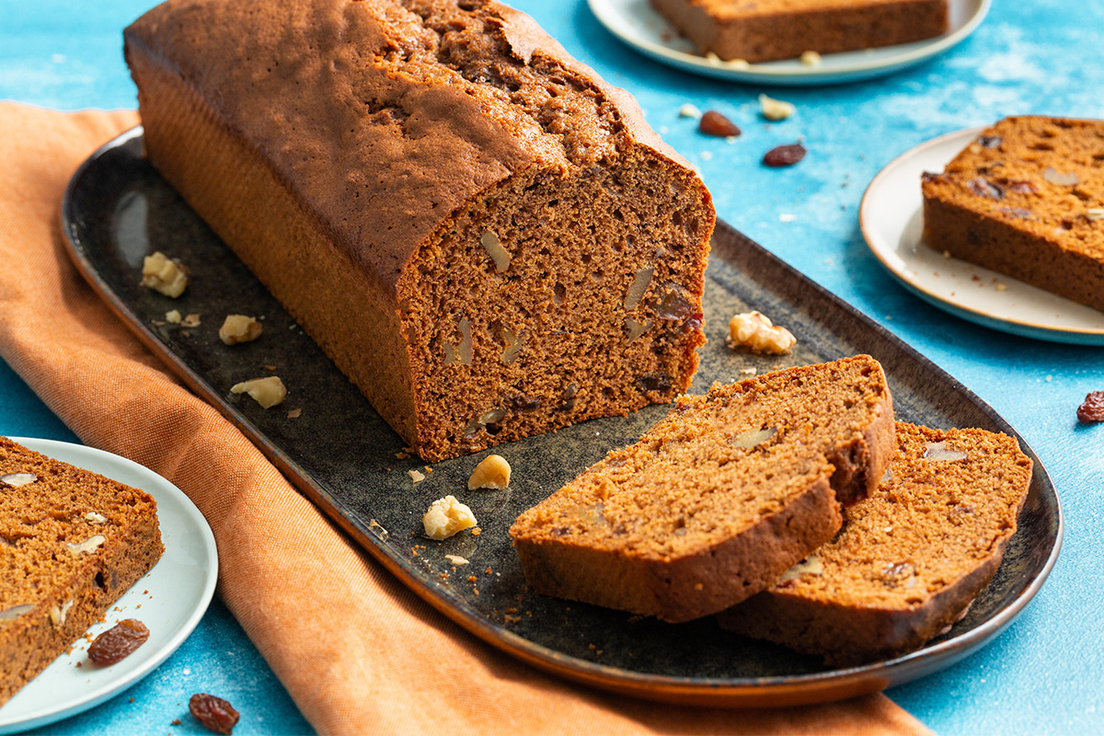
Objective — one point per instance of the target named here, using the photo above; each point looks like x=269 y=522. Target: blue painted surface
x=1042 y=676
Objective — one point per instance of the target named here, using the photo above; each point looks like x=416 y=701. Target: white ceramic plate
x=169 y=600
x=891 y=218
x=638 y=25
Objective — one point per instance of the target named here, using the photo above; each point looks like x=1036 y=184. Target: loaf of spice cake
x=769 y=30
x=484 y=236
x=71 y=543
x=909 y=560
x=721 y=497
x=1026 y=198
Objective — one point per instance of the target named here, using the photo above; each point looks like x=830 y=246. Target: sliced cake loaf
x=459 y=213
x=909 y=559
x=768 y=30
x=1026 y=198
x=719 y=498
x=71 y=543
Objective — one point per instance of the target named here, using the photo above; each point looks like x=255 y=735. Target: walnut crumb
x=755 y=331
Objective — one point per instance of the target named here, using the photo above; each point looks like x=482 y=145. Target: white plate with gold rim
x=891 y=219
x=637 y=24
x=170 y=599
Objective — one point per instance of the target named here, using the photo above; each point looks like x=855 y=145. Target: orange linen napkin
x=358 y=652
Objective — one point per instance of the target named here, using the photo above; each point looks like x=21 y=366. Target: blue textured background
x=1042 y=676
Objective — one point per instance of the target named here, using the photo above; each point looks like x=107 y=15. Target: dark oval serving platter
x=341 y=455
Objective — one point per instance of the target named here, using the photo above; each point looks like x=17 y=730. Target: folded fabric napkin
x=358 y=652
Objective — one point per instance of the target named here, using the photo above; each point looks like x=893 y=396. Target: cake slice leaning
x=71 y=543
x=718 y=499
x=909 y=560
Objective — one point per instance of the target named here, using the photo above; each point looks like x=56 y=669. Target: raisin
x=989 y=141
x=1022 y=187
x=214 y=713
x=118 y=642
x=787 y=155
x=659 y=382
x=714 y=123
x=984 y=188
x=1093 y=408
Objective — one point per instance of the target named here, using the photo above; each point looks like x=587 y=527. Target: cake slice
x=717 y=500
x=459 y=213
x=71 y=543
x=1026 y=198
x=768 y=30
x=910 y=558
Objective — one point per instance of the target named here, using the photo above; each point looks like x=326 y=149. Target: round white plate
x=638 y=25
x=891 y=219
x=170 y=599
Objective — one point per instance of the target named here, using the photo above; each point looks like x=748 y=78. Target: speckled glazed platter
x=638 y=25
x=342 y=456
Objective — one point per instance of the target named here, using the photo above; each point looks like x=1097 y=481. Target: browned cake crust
x=909 y=559
x=719 y=498
x=768 y=30
x=49 y=593
x=483 y=235
x=1026 y=198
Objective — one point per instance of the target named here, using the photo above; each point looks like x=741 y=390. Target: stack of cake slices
x=793 y=505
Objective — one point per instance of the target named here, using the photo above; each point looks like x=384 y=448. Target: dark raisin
x=930 y=176
x=787 y=155
x=989 y=141
x=714 y=123
x=1093 y=408
x=1018 y=214
x=118 y=642
x=214 y=713
x=660 y=382
x=985 y=188
x=521 y=402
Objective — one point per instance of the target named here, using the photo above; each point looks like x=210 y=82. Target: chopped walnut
x=164 y=275
x=492 y=472
x=939 y=452
x=811 y=59
x=498 y=254
x=773 y=109
x=267 y=392
x=416 y=475
x=811 y=565
x=239 y=328
x=58 y=613
x=93 y=518
x=173 y=317
x=447 y=516
x=10 y=614
x=755 y=331
x=18 y=479
x=88 y=546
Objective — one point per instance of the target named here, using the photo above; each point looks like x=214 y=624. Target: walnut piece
x=239 y=328
x=10 y=614
x=498 y=254
x=754 y=330
x=164 y=275
x=773 y=109
x=447 y=516
x=492 y=472
x=18 y=479
x=810 y=59
x=58 y=613
x=173 y=316
x=811 y=565
x=267 y=392
x=88 y=546
x=939 y=452
x=93 y=518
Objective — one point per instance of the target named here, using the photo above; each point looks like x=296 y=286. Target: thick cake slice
x=719 y=498
x=459 y=213
x=910 y=558
x=1026 y=198
x=768 y=30
x=71 y=543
